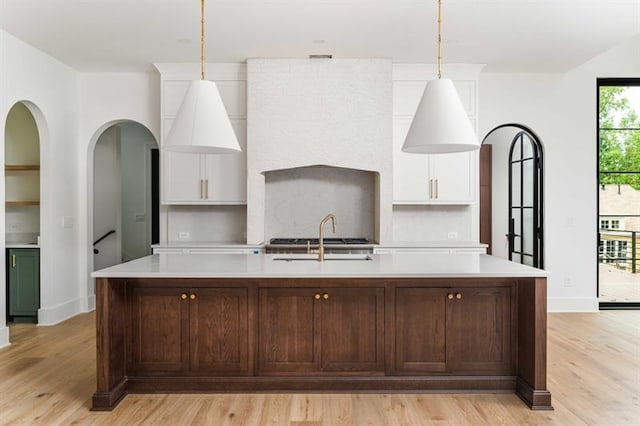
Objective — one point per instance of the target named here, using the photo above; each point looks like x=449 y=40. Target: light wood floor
x=47 y=376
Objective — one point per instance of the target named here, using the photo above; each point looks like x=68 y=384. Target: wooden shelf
x=22 y=203
x=21 y=167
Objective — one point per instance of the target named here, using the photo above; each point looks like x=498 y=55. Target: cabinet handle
x=193 y=296
x=430 y=188
x=201 y=189
x=325 y=296
x=183 y=296
x=436 y=188
x=206 y=189
x=458 y=296
x=450 y=296
x=317 y=296
x=13 y=260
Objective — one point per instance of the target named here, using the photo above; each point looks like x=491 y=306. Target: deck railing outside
x=620 y=248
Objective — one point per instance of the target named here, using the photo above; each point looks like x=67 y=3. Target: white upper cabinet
x=205 y=178
x=410 y=171
x=429 y=179
x=182 y=178
x=434 y=178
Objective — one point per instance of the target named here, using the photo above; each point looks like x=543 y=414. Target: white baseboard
x=57 y=314
x=572 y=304
x=91 y=303
x=4 y=337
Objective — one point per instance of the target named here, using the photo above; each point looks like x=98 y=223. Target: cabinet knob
x=183 y=296
x=317 y=296
x=192 y=296
x=325 y=296
x=458 y=296
x=13 y=260
x=450 y=296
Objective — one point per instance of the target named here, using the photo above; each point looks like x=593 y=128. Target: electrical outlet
x=139 y=217
x=183 y=235
x=67 y=222
x=567 y=282
x=452 y=235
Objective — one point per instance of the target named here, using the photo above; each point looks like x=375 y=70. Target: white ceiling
x=507 y=35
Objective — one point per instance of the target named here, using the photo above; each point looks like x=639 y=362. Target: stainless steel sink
x=289 y=257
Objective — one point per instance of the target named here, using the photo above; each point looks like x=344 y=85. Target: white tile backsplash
x=297 y=199
x=207 y=223
x=415 y=223
x=22 y=224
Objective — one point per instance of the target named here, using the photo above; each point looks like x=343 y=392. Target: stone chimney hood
x=308 y=112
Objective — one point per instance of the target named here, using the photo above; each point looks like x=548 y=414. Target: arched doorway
x=512 y=194
x=25 y=131
x=124 y=217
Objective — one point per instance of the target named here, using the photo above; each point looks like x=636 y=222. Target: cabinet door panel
x=159 y=338
x=420 y=320
x=410 y=173
x=219 y=330
x=182 y=177
x=24 y=282
x=452 y=176
x=479 y=325
x=288 y=339
x=227 y=174
x=353 y=329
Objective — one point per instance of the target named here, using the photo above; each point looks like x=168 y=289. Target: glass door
x=525 y=201
x=619 y=193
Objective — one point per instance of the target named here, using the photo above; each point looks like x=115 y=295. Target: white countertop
x=206 y=245
x=424 y=265
x=22 y=245
x=433 y=244
x=395 y=244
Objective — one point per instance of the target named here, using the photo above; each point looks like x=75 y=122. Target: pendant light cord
x=439 y=39
x=202 y=39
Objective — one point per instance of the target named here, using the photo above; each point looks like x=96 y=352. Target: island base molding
x=414 y=335
x=403 y=384
x=535 y=399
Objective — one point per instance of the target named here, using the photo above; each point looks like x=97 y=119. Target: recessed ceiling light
x=319 y=41
x=184 y=41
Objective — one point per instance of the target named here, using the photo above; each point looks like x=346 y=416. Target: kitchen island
x=404 y=322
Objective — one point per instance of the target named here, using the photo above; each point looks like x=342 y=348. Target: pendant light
x=440 y=124
x=202 y=124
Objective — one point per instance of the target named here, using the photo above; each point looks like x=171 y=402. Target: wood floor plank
x=47 y=377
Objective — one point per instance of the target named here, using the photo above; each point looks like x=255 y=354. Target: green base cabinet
x=24 y=282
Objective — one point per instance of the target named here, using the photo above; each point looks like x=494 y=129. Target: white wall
x=106 y=99
x=107 y=191
x=135 y=166
x=561 y=109
x=501 y=143
x=49 y=89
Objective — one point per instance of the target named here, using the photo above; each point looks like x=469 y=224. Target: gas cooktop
x=315 y=241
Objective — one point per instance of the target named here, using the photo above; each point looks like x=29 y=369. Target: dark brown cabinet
x=322 y=331
x=454 y=330
x=273 y=334
x=189 y=329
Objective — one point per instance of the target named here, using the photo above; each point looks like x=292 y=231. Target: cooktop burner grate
x=315 y=241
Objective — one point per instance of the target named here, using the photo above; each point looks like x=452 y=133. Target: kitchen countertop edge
x=396 y=265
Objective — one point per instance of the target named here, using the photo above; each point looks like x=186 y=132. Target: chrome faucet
x=320 y=249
